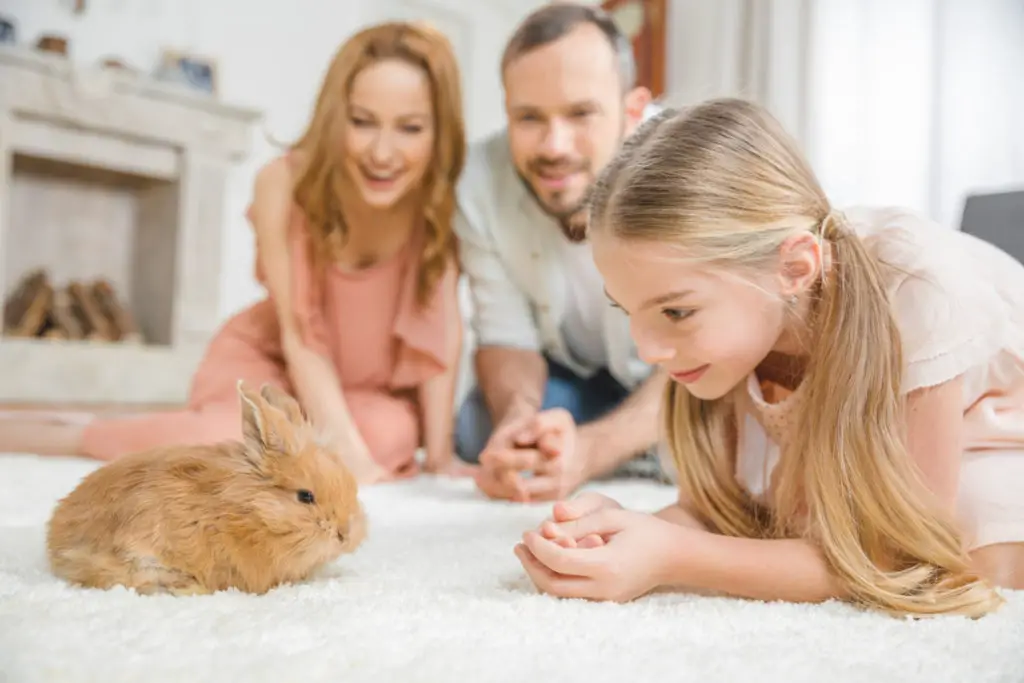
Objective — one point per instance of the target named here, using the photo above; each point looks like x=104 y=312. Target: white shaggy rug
x=437 y=595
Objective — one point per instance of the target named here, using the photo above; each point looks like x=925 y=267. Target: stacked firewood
x=78 y=310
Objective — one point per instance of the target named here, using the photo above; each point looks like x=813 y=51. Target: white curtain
x=912 y=102
x=757 y=49
x=917 y=102
x=980 y=102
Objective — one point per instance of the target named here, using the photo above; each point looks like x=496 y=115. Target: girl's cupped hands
x=591 y=548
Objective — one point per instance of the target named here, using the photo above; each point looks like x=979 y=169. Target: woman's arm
x=312 y=375
x=437 y=395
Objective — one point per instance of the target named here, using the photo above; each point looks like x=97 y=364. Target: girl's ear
x=800 y=264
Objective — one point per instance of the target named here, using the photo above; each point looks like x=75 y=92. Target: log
x=78 y=311
x=63 y=316
x=119 y=316
x=96 y=325
x=26 y=310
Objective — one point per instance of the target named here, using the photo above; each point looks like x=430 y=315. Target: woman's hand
x=367 y=473
x=634 y=555
x=353 y=451
x=450 y=466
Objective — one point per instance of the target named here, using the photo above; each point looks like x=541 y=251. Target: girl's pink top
x=959 y=306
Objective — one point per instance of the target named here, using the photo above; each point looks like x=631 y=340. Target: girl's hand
x=569 y=511
x=633 y=559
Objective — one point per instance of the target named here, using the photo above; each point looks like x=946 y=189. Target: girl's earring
x=793 y=299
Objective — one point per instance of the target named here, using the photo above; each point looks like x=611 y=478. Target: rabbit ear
x=279 y=399
x=263 y=427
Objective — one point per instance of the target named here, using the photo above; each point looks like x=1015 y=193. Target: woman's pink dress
x=367 y=323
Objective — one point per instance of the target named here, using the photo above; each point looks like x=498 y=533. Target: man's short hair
x=551 y=22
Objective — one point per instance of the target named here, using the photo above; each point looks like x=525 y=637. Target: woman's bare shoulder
x=272 y=194
x=276 y=176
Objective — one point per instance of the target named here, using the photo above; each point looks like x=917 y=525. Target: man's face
x=567 y=116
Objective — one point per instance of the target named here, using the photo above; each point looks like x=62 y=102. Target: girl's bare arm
x=796 y=569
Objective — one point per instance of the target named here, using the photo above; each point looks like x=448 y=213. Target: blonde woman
x=847 y=413
x=356 y=250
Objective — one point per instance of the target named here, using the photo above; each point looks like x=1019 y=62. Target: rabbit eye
x=306 y=497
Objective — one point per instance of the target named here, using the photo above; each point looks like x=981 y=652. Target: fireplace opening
x=89 y=254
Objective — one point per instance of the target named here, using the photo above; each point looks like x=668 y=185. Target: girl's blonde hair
x=725 y=182
x=318 y=187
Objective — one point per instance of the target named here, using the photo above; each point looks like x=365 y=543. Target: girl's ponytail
x=880 y=531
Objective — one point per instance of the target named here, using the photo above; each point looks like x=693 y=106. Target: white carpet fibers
x=437 y=595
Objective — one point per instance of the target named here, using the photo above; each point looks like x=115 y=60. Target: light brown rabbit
x=197 y=519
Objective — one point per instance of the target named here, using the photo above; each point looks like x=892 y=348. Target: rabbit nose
x=341 y=536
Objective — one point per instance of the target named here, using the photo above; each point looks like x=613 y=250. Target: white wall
x=271 y=55
x=478 y=30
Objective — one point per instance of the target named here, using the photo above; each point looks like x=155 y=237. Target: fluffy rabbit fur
x=197 y=519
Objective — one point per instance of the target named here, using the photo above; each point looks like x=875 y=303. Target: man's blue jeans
x=585 y=399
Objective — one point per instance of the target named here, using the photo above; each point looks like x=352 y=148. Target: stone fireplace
x=111 y=215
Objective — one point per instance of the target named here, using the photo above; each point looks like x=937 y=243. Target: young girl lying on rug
x=355 y=247
x=847 y=415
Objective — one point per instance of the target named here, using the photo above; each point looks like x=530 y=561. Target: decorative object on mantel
x=195 y=71
x=8 y=31
x=118 y=64
x=37 y=309
x=127 y=185
x=50 y=42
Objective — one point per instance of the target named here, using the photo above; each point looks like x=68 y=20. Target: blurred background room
x=912 y=102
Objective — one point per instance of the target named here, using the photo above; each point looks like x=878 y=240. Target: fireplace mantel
x=109 y=175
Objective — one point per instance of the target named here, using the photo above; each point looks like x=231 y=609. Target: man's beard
x=571 y=219
x=574 y=225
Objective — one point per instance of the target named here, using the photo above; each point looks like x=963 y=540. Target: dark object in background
x=644 y=22
x=997 y=218
x=198 y=74
x=8 y=31
x=50 y=42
